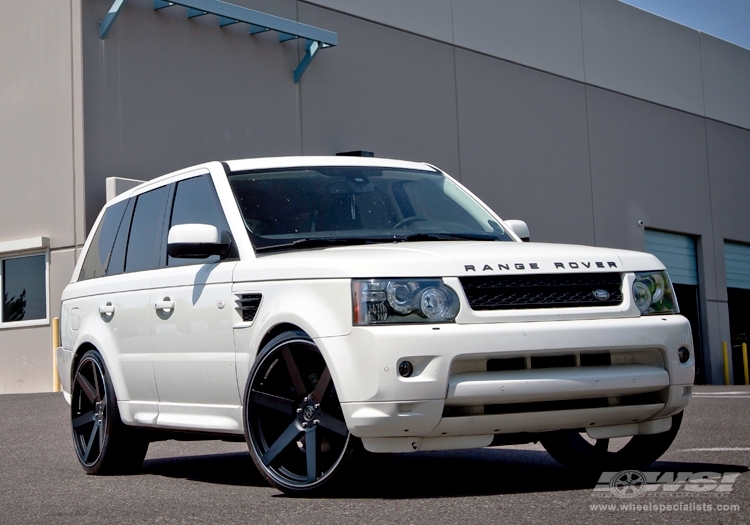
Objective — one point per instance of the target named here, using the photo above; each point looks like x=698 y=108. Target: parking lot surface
x=216 y=482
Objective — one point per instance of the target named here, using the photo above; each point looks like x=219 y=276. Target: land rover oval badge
x=602 y=295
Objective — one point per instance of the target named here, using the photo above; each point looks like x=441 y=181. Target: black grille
x=247 y=305
x=512 y=292
x=504 y=364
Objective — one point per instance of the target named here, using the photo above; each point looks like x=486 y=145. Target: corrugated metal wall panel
x=677 y=252
x=737 y=258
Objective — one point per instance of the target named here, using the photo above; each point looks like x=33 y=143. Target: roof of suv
x=284 y=162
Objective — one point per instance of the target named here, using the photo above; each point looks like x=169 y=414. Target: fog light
x=405 y=369
x=684 y=354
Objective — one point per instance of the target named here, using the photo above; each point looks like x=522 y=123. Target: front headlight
x=653 y=293
x=388 y=301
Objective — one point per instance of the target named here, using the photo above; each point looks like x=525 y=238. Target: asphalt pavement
x=216 y=482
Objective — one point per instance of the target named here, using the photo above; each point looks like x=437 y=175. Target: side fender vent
x=247 y=305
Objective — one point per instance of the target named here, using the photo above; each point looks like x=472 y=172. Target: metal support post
x=312 y=48
x=110 y=18
x=55 y=344
x=726 y=362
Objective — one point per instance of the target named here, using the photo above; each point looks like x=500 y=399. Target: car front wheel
x=293 y=421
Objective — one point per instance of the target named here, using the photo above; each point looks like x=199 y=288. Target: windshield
x=309 y=207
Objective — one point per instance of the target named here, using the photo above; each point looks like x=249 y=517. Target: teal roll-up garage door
x=737 y=257
x=677 y=253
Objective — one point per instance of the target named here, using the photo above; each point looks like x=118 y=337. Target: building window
x=23 y=283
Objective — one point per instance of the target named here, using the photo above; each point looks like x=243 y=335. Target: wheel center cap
x=309 y=412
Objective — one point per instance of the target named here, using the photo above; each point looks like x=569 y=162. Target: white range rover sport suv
x=313 y=306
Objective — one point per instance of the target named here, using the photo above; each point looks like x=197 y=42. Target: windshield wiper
x=321 y=242
x=442 y=236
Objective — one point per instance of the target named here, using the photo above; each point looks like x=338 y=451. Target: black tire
x=289 y=401
x=103 y=444
x=572 y=450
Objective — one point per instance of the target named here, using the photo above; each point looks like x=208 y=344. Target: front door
x=192 y=314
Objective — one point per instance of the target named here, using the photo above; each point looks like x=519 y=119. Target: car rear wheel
x=293 y=421
x=577 y=452
x=104 y=445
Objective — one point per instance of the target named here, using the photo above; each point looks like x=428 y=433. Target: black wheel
x=577 y=452
x=104 y=445
x=293 y=421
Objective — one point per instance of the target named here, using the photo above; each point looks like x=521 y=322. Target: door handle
x=165 y=305
x=107 y=309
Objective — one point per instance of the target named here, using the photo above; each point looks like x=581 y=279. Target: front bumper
x=451 y=392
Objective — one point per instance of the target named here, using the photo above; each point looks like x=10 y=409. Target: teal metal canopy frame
x=316 y=38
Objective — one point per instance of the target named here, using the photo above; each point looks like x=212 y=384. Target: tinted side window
x=98 y=257
x=196 y=202
x=117 y=259
x=144 y=243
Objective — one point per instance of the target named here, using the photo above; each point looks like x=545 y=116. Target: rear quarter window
x=97 y=258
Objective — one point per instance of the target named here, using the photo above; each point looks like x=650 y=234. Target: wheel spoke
x=91 y=442
x=102 y=425
x=331 y=423
x=322 y=386
x=271 y=401
x=88 y=417
x=86 y=387
x=281 y=443
x=299 y=385
x=97 y=387
x=602 y=445
x=311 y=452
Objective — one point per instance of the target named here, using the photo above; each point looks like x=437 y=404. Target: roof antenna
x=357 y=153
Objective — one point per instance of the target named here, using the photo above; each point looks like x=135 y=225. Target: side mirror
x=520 y=228
x=197 y=241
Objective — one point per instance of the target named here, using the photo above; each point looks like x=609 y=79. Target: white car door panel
x=193 y=344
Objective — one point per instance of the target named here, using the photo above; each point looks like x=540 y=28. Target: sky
x=725 y=19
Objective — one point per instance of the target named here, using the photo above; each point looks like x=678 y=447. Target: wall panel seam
x=436 y=40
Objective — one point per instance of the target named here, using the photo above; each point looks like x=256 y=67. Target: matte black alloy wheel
x=571 y=449
x=104 y=445
x=293 y=421
x=89 y=411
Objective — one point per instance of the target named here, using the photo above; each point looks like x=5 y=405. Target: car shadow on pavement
x=222 y=469
x=487 y=472
x=479 y=472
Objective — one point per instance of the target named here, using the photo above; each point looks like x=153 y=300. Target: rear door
x=131 y=320
x=117 y=271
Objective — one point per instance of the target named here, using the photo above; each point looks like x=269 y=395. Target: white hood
x=441 y=259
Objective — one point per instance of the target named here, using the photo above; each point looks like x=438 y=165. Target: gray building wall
x=579 y=116
x=604 y=43
x=40 y=147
